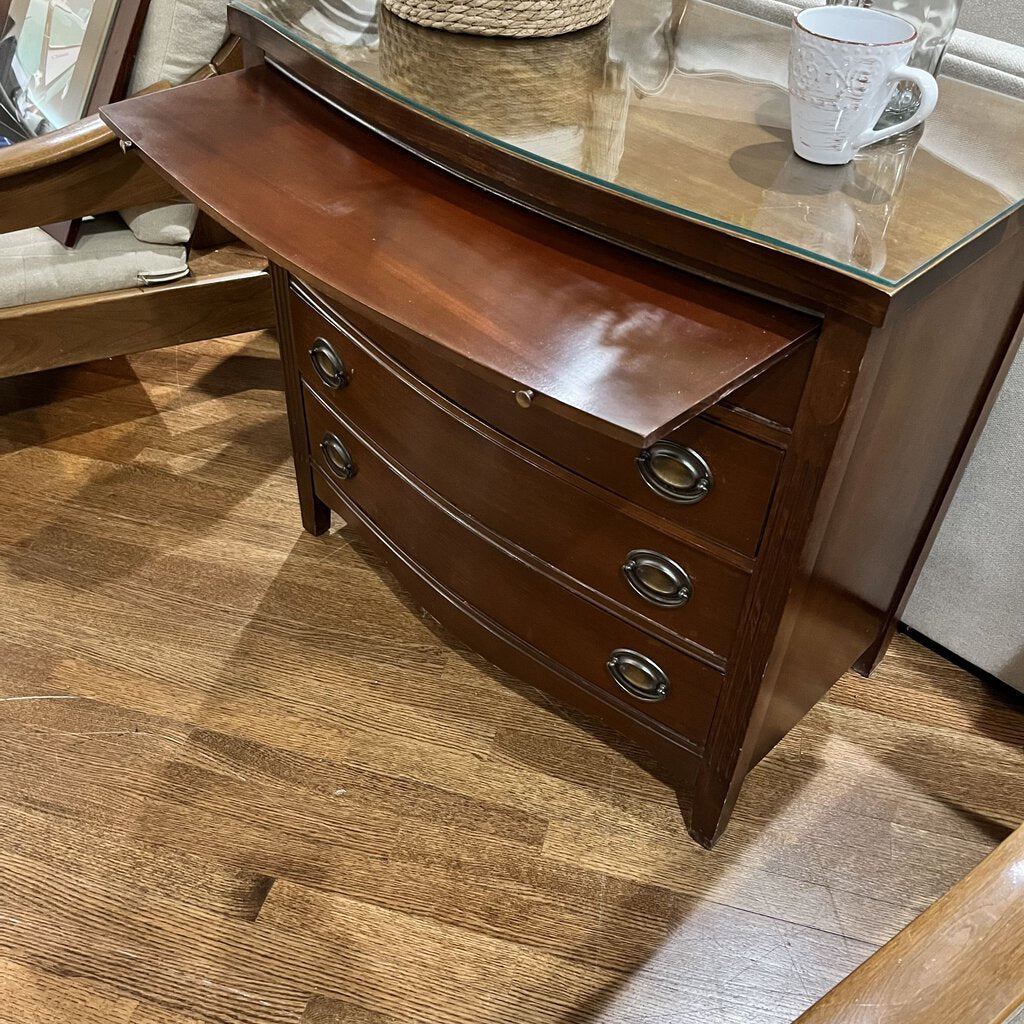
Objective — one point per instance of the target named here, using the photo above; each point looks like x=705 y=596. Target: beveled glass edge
x=737 y=231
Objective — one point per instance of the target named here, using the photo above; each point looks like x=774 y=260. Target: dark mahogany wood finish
x=513 y=593
x=533 y=503
x=502 y=373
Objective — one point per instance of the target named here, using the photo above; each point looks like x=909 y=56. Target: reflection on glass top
x=682 y=104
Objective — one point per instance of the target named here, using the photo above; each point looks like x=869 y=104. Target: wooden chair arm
x=34 y=154
x=93 y=180
x=961 y=961
x=80 y=170
x=76 y=140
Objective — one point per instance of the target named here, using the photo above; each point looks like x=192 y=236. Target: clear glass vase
x=934 y=21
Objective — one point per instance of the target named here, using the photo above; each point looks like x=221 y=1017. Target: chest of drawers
x=682 y=489
x=620 y=572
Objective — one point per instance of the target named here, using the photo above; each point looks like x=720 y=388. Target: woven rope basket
x=503 y=17
x=562 y=99
x=498 y=87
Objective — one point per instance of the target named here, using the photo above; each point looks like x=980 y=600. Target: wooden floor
x=243 y=780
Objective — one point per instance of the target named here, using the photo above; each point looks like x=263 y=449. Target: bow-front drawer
x=588 y=534
x=703 y=478
x=632 y=670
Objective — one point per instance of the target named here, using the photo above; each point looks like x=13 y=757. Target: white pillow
x=179 y=37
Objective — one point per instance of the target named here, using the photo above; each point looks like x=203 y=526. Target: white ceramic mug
x=844 y=64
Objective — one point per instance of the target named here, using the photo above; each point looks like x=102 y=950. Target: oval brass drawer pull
x=337 y=457
x=676 y=473
x=638 y=675
x=657 y=578
x=327 y=364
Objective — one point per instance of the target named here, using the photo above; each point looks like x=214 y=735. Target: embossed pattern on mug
x=823 y=75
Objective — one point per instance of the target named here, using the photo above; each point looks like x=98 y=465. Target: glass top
x=682 y=104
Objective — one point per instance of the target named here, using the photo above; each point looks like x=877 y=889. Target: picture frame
x=60 y=61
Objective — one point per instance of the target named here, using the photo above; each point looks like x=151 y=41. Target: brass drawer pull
x=658 y=578
x=327 y=364
x=638 y=675
x=337 y=457
x=676 y=473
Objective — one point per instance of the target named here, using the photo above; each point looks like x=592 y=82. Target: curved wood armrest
x=91 y=133
x=960 y=962
x=34 y=154
x=76 y=140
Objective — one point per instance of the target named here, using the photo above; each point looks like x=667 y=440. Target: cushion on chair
x=179 y=37
x=107 y=257
x=161 y=223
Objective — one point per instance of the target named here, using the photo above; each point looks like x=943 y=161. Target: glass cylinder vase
x=935 y=21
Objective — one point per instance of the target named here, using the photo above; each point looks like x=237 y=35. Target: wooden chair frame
x=960 y=962
x=82 y=170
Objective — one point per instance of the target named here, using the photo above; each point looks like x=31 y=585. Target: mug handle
x=929 y=97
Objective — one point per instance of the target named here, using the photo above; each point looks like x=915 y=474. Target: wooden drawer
x=744 y=471
x=528 y=500
x=775 y=395
x=521 y=599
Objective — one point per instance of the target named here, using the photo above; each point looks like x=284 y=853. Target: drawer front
x=577 y=635
x=531 y=503
x=742 y=472
x=775 y=395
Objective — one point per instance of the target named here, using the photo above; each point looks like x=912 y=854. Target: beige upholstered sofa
x=970 y=595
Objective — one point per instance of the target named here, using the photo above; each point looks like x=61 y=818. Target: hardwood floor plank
x=463 y=977
x=80 y=848
x=147 y=1014
x=243 y=780
x=228 y=970
x=29 y=996
x=320 y=1010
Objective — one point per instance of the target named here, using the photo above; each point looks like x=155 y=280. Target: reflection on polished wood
x=242 y=778
x=682 y=106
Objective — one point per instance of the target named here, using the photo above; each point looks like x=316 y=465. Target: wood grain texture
x=931 y=395
x=791 y=521
x=745 y=470
x=962 y=960
x=227 y=290
x=243 y=778
x=90 y=181
x=738 y=168
x=603 y=213
x=42 y=151
x=627 y=347
x=495 y=481
x=464 y=559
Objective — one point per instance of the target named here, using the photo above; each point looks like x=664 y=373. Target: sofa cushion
x=968 y=595
x=179 y=37
x=107 y=257
x=997 y=19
